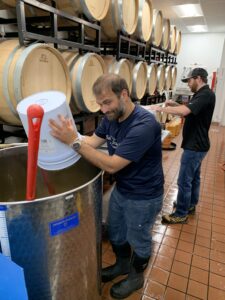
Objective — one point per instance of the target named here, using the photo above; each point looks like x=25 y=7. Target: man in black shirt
x=198 y=116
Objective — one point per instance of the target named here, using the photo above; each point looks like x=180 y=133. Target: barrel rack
x=171 y=59
x=159 y=56
x=77 y=38
x=153 y=99
x=155 y=55
x=125 y=47
x=17 y=131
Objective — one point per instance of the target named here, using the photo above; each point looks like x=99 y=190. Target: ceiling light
x=198 y=28
x=188 y=10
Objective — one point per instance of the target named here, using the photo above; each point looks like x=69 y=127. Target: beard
x=194 y=88
x=117 y=113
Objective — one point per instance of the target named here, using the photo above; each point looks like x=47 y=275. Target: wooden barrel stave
x=174 y=77
x=160 y=78
x=152 y=79
x=168 y=78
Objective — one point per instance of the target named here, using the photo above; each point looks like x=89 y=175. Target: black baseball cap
x=194 y=73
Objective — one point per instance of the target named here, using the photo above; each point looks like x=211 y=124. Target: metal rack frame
x=16 y=133
x=159 y=56
x=4 y=22
x=80 y=41
x=19 y=132
x=7 y=21
x=153 y=99
x=171 y=59
x=155 y=55
x=132 y=48
x=82 y=117
x=125 y=47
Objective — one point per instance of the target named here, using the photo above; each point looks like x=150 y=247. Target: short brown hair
x=111 y=82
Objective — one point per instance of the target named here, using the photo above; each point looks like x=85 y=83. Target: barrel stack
x=40 y=67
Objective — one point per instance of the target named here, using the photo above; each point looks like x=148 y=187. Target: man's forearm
x=99 y=159
x=172 y=110
x=92 y=140
x=181 y=110
x=174 y=104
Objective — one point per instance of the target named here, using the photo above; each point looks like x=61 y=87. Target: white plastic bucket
x=53 y=154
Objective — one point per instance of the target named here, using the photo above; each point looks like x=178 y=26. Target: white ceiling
x=213 y=10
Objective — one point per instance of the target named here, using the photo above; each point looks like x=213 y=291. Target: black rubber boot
x=122 y=265
x=134 y=280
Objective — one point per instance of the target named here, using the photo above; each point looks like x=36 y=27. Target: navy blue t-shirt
x=138 y=139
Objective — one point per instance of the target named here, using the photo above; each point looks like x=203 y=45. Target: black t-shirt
x=138 y=139
x=197 y=123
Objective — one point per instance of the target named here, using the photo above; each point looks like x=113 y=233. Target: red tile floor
x=188 y=260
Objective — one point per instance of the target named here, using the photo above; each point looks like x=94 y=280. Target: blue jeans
x=188 y=181
x=132 y=220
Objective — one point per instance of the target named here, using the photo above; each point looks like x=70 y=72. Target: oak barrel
x=173 y=36
x=84 y=71
x=92 y=9
x=139 y=80
x=121 y=67
x=178 y=42
x=145 y=20
x=25 y=71
x=157 y=29
x=166 y=34
x=121 y=16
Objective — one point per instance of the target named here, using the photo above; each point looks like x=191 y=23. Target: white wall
x=205 y=49
x=219 y=113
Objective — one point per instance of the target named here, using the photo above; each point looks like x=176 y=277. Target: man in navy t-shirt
x=133 y=138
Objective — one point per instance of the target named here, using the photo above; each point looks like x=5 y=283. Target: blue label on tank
x=3 y=207
x=63 y=225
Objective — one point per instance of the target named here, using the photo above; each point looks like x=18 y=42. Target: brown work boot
x=173 y=219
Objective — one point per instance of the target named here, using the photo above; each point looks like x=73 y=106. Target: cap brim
x=185 y=79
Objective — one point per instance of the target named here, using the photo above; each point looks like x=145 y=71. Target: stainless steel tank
x=56 y=238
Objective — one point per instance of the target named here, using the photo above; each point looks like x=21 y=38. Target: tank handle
x=35 y=115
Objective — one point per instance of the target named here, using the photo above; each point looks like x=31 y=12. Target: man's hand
x=63 y=130
x=170 y=102
x=155 y=108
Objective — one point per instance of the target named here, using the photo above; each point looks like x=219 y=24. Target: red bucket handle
x=35 y=115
